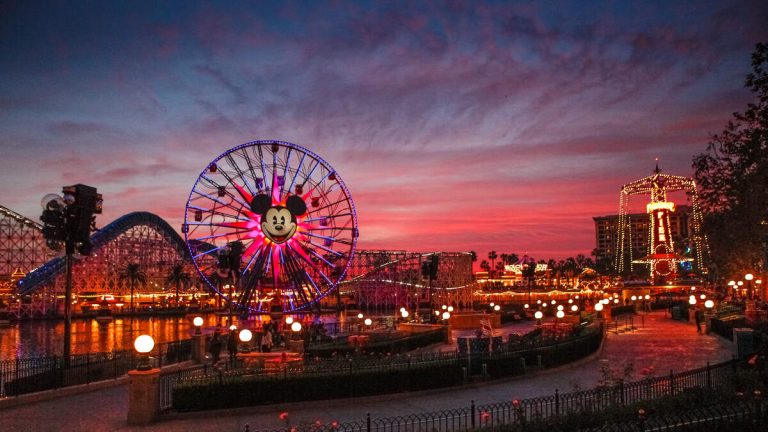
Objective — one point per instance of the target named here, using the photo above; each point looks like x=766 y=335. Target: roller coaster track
x=47 y=272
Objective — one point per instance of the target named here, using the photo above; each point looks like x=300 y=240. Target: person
x=232 y=345
x=699 y=320
x=266 y=341
x=216 y=346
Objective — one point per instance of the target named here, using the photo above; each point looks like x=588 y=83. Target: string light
x=657 y=185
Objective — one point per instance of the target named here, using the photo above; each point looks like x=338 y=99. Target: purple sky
x=455 y=125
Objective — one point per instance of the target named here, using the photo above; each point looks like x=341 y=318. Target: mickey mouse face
x=278 y=223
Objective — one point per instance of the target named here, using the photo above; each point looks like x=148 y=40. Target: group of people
x=268 y=338
x=217 y=343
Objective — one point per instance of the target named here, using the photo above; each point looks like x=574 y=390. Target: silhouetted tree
x=178 y=278
x=485 y=266
x=492 y=256
x=135 y=276
x=732 y=175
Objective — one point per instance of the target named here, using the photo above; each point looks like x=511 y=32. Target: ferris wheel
x=270 y=226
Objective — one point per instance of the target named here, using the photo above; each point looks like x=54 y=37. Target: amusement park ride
x=662 y=258
x=288 y=215
x=269 y=227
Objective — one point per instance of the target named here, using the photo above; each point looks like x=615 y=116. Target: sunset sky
x=455 y=125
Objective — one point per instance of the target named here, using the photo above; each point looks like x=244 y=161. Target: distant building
x=606 y=237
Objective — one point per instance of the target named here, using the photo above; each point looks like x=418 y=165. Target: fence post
x=54 y=373
x=472 y=413
x=17 y=375
x=557 y=402
x=671 y=383
x=88 y=368
x=709 y=377
x=368 y=422
x=621 y=389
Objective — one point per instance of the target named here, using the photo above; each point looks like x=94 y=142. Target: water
x=38 y=338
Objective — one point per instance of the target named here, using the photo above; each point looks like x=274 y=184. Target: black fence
x=364 y=375
x=556 y=412
x=29 y=375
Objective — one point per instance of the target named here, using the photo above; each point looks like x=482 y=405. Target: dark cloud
x=534 y=114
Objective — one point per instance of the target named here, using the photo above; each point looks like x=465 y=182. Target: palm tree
x=485 y=266
x=178 y=278
x=135 y=276
x=500 y=267
x=492 y=256
x=219 y=281
x=551 y=265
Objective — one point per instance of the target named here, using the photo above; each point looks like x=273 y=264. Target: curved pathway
x=657 y=346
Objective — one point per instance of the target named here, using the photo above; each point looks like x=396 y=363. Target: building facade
x=606 y=232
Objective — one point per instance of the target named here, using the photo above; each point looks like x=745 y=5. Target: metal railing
x=499 y=363
x=30 y=375
x=550 y=408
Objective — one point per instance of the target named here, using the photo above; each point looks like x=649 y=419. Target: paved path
x=656 y=348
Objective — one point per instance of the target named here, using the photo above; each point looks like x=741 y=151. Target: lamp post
x=297 y=342
x=143 y=345
x=748 y=277
x=245 y=337
x=538 y=315
x=143 y=387
x=599 y=309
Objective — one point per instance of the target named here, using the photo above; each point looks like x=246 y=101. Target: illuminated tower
x=661 y=256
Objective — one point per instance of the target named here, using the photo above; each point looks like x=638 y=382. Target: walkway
x=656 y=348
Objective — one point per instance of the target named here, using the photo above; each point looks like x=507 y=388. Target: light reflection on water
x=46 y=337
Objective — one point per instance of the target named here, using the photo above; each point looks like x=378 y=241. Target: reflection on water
x=37 y=338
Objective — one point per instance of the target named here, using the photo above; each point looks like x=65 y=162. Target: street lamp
x=692 y=300
x=538 y=315
x=446 y=315
x=574 y=308
x=709 y=304
x=748 y=277
x=295 y=326
x=198 y=322
x=288 y=320
x=368 y=322
x=143 y=345
x=497 y=308
x=245 y=337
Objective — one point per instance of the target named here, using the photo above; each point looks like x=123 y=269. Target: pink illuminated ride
x=664 y=257
x=270 y=227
